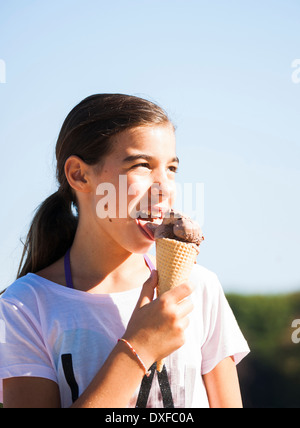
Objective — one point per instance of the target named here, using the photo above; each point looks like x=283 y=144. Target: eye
x=141 y=165
x=173 y=169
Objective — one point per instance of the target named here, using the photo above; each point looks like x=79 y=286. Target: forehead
x=157 y=141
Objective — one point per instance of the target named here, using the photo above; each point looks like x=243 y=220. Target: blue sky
x=223 y=72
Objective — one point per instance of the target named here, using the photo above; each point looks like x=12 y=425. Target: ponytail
x=51 y=233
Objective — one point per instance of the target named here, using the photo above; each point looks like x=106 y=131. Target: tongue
x=148 y=227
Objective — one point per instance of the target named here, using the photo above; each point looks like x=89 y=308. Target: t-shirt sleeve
x=223 y=337
x=22 y=349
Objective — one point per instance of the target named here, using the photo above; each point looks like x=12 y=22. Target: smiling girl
x=81 y=325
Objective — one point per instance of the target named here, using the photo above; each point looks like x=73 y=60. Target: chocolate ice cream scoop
x=179 y=227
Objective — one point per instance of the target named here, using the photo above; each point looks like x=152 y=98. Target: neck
x=98 y=261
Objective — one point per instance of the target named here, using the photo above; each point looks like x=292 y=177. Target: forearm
x=222 y=385
x=116 y=381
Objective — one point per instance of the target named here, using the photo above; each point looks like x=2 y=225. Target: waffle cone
x=174 y=263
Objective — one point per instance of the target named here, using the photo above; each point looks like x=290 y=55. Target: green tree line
x=270 y=375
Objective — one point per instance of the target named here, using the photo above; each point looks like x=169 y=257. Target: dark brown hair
x=86 y=133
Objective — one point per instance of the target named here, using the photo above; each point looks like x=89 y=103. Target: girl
x=84 y=283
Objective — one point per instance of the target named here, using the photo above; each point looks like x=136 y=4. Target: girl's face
x=135 y=186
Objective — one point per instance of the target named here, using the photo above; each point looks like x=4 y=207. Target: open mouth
x=148 y=221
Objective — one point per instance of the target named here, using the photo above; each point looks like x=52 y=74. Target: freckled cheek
x=120 y=199
x=138 y=191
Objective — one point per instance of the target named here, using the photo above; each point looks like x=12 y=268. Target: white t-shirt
x=53 y=332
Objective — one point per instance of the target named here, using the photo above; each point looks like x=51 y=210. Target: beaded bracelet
x=147 y=372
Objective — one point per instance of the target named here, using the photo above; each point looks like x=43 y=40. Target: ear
x=76 y=171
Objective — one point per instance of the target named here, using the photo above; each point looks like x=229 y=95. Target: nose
x=162 y=189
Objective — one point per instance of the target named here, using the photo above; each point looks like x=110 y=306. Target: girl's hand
x=156 y=328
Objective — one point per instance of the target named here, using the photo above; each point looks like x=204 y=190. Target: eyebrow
x=133 y=158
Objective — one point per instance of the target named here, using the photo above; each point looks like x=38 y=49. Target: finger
x=180 y=292
x=147 y=292
x=185 y=307
x=185 y=323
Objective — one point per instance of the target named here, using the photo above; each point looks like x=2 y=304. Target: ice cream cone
x=174 y=263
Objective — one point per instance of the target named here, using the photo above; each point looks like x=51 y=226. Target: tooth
x=144 y=213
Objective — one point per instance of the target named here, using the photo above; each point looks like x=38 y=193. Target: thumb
x=147 y=292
